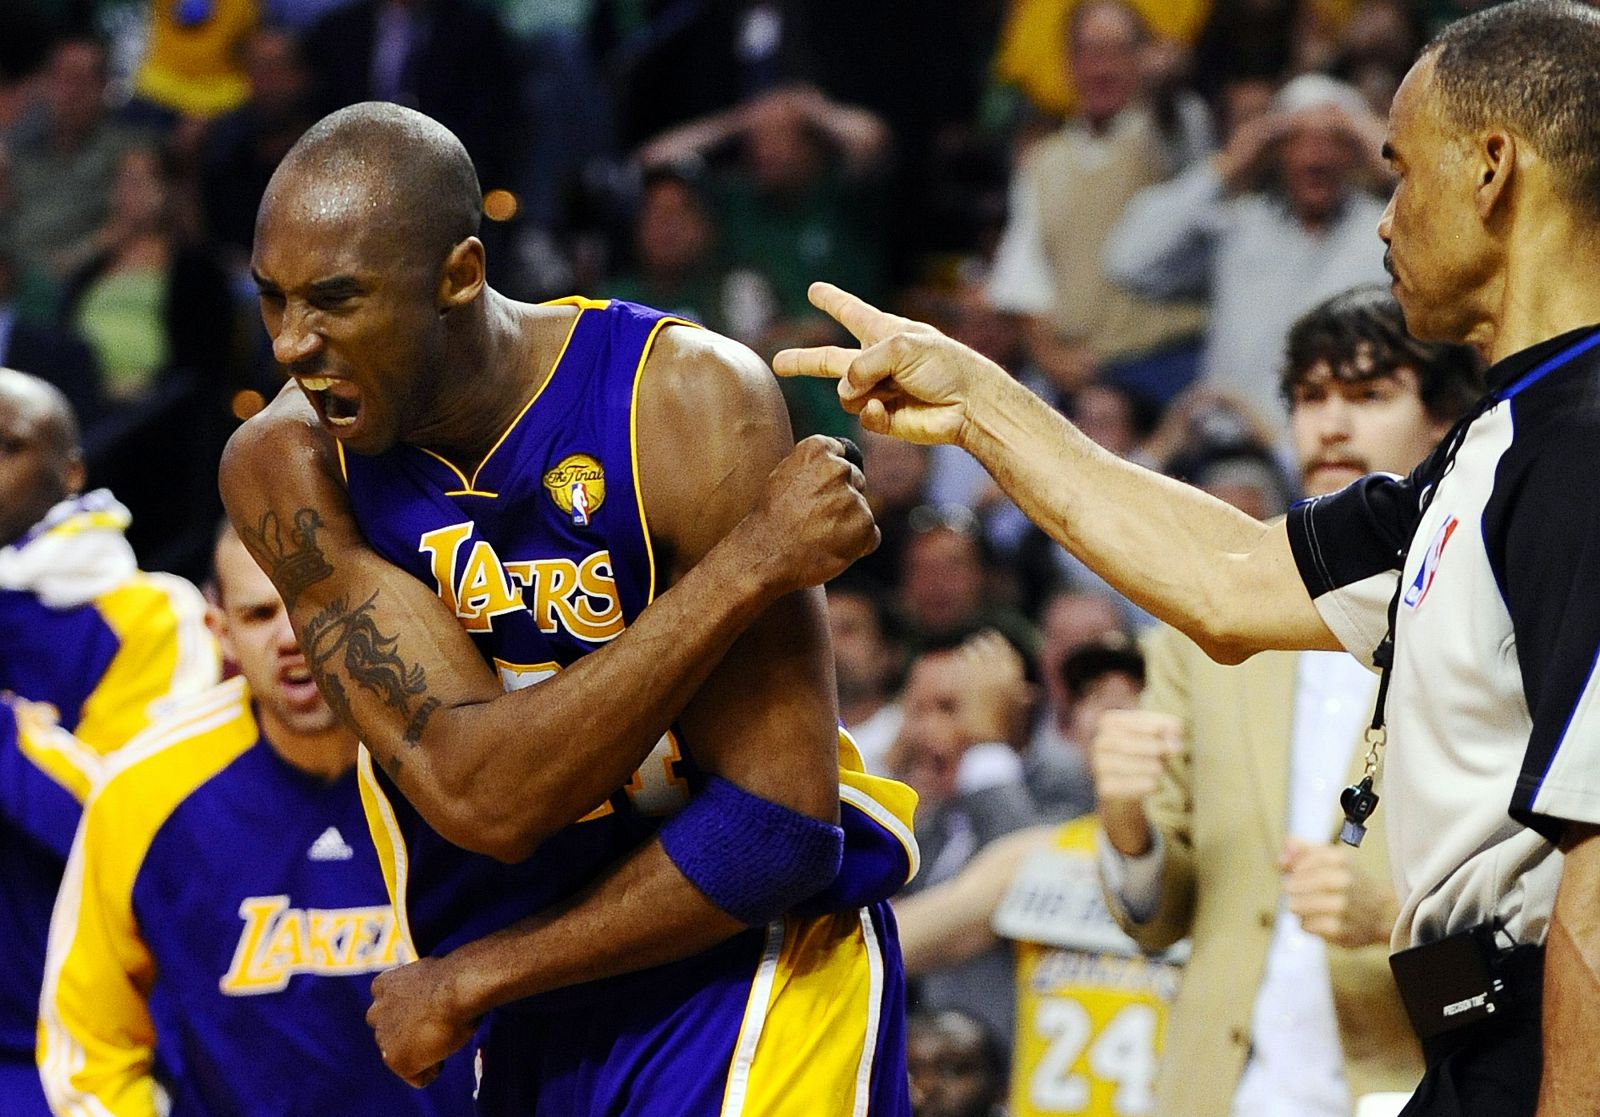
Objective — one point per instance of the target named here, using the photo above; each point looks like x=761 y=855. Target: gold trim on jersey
x=387 y=839
x=582 y=302
x=469 y=486
x=633 y=443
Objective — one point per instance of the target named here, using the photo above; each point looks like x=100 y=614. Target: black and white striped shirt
x=1494 y=703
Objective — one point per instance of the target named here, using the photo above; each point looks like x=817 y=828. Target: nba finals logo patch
x=1430 y=563
x=578 y=486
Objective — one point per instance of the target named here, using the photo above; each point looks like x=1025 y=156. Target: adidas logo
x=330 y=846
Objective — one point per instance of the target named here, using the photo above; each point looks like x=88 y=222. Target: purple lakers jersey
x=544 y=555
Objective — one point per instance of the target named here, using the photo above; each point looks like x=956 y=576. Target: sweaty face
x=1439 y=256
x=351 y=310
x=33 y=474
x=253 y=629
x=1345 y=429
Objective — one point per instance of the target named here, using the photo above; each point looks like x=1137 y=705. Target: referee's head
x=1495 y=138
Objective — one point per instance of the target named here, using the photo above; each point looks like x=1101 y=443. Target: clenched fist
x=1333 y=897
x=1129 y=752
x=415 y=1021
x=812 y=520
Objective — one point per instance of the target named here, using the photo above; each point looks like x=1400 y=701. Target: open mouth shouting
x=337 y=402
x=298 y=685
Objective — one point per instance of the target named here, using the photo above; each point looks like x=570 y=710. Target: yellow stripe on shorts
x=814 y=1044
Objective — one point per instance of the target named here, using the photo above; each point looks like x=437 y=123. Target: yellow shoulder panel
x=54 y=751
x=161 y=767
x=889 y=803
x=165 y=654
x=95 y=1036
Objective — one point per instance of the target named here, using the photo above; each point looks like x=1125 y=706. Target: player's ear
x=217 y=622
x=74 y=474
x=461 y=280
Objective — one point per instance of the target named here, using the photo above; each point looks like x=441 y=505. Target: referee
x=1470 y=584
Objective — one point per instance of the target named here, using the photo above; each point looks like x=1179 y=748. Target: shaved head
x=41 y=460
x=47 y=408
x=407 y=172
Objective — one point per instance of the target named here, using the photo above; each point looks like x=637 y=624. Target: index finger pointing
x=861 y=318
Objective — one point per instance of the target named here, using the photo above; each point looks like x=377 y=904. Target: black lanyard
x=1359 y=799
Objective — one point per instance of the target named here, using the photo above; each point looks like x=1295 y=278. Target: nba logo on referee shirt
x=1430 y=563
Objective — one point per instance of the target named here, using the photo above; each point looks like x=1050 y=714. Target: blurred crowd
x=1126 y=203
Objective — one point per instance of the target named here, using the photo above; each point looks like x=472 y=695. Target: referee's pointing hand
x=907 y=379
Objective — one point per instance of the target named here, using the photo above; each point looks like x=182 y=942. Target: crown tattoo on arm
x=293 y=564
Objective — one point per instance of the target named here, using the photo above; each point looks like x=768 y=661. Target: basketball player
x=92 y=649
x=579 y=493
x=223 y=912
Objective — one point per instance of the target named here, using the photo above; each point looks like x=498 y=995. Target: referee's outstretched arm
x=1227 y=580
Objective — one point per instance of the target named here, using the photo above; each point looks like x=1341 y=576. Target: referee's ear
x=1496 y=166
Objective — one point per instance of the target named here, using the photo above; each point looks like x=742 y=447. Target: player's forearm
x=1180 y=553
x=538 y=759
x=491 y=771
x=644 y=914
x=499 y=772
x=1571 y=1012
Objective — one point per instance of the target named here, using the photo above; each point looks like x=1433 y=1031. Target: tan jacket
x=1221 y=811
x=1082 y=186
